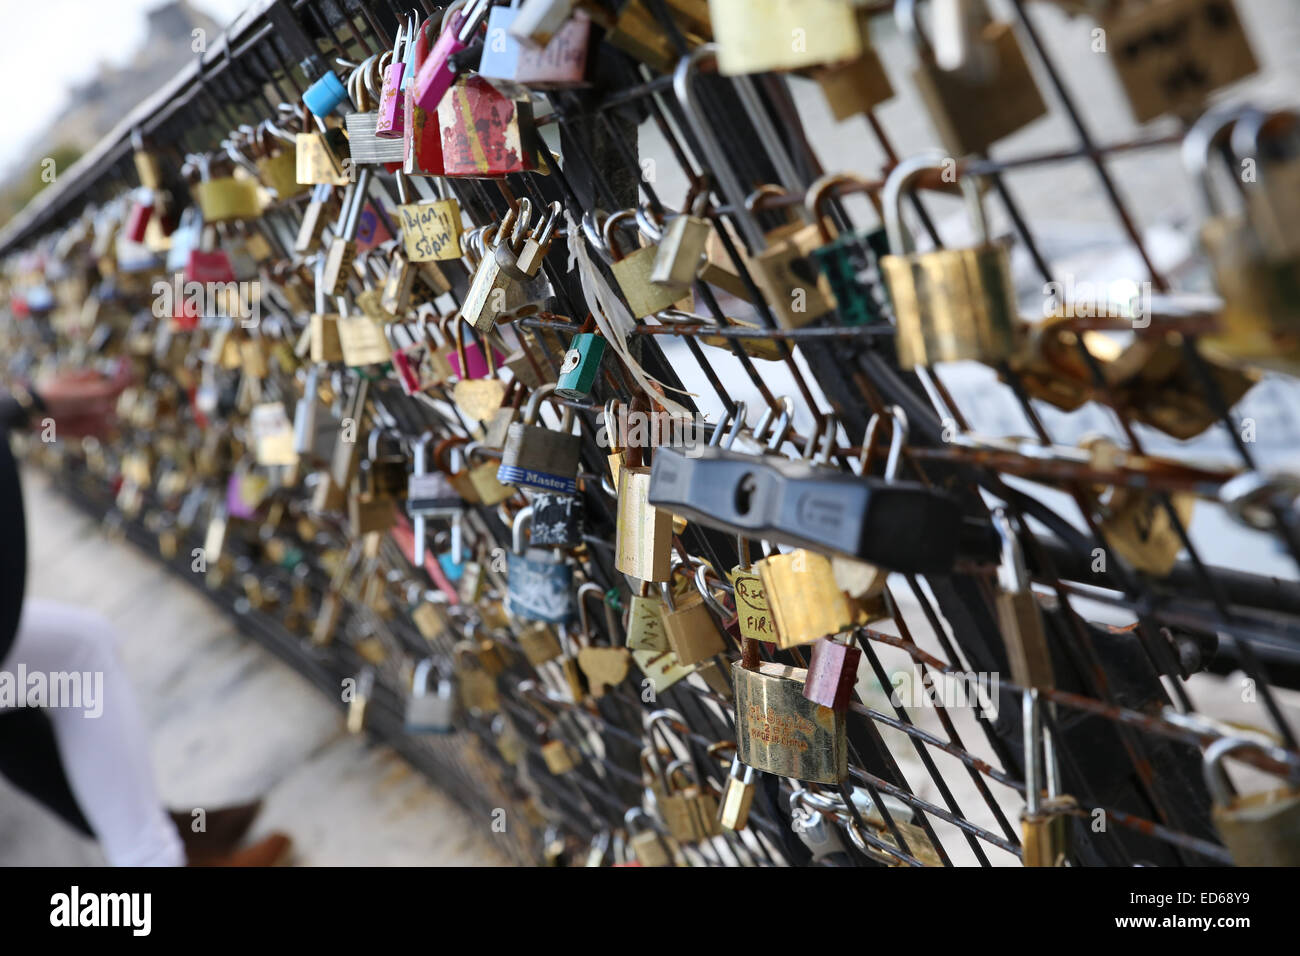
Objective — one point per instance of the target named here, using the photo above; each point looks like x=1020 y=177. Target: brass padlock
x=1260 y=321
x=643 y=534
x=737 y=796
x=692 y=633
x=782 y=732
x=477 y=398
x=989 y=96
x=1262 y=829
x=793 y=287
x=1170 y=55
x=646 y=844
x=633 y=272
x=1019 y=617
x=949 y=304
x=805 y=601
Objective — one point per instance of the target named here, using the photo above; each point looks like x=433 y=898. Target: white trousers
x=106 y=756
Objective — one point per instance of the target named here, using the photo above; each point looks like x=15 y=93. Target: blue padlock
x=581 y=363
x=324 y=96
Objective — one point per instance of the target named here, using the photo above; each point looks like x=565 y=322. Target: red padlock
x=137 y=220
x=832 y=672
x=483 y=131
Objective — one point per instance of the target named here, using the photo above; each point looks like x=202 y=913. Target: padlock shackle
x=1207 y=133
x=1013 y=576
x=1251 y=128
x=705 y=134
x=819 y=192
x=899 y=183
x=584 y=622
x=420 y=680
x=534 y=406
x=1216 y=780
x=523 y=520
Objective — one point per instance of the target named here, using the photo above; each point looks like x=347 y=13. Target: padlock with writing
x=780 y=731
x=535 y=456
x=540 y=583
x=391 y=120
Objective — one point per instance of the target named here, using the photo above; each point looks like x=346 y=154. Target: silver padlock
x=538 y=457
x=1261 y=829
x=430 y=713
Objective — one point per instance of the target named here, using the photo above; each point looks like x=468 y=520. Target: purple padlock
x=475 y=361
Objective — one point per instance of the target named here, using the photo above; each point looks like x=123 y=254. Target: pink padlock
x=392 y=118
x=436 y=75
x=475 y=360
x=211 y=266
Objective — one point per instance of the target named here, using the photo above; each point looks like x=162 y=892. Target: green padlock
x=581 y=363
x=849 y=261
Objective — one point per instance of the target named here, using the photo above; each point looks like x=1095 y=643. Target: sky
x=54 y=44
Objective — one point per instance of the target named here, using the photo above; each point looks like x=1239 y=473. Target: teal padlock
x=581 y=363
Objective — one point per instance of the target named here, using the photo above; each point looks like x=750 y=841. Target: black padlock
x=900 y=525
x=558 y=520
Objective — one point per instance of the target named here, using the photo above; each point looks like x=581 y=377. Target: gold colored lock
x=949 y=304
x=632 y=272
x=1259 y=829
x=805 y=602
x=782 y=732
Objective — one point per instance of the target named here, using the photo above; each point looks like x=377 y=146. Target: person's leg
x=106 y=756
x=29 y=759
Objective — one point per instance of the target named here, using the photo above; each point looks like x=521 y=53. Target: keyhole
x=745 y=493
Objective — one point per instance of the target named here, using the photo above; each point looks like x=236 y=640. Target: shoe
x=224 y=828
x=269 y=851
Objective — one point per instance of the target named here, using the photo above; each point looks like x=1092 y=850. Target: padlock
x=989 y=97
x=436 y=74
x=561 y=62
x=602 y=666
x=1046 y=824
x=320 y=153
x=1019 y=617
x=850 y=262
x=431 y=229
x=220 y=194
x=343 y=247
x=430 y=712
x=632 y=272
x=737 y=796
x=421 y=137
x=483 y=476
x=949 y=304
x=147 y=165
x=478 y=689
x=649 y=644
x=684 y=245
x=487 y=298
x=479 y=392
x=643 y=534
x=1135 y=522
x=1262 y=829
x=559 y=520
x=832 y=673
x=856 y=85
x=537 y=243
x=581 y=364
x=535 y=456
x=1273 y=194
x=537 y=21
x=795 y=291
x=364 y=146
x=646 y=844
x=391 y=120
x=326 y=93
x=444 y=457
x=780 y=731
x=558 y=757
x=361 y=338
x=359 y=701
x=692 y=633
x=276 y=159
x=485 y=133
x=430 y=494
x=758 y=36
x=1172 y=54
x=540 y=583
x=1259 y=323
x=690 y=810
x=538 y=642
x=805 y=602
